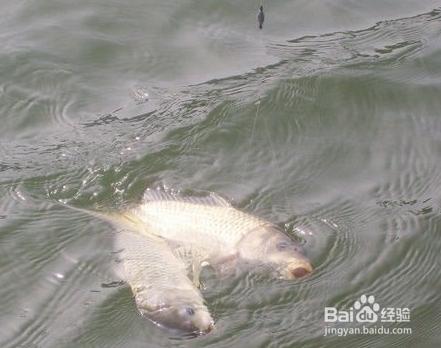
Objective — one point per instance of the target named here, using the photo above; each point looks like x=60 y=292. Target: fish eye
x=189 y=311
x=282 y=245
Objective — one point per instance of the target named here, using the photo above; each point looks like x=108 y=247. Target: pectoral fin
x=195 y=259
x=226 y=266
x=196 y=268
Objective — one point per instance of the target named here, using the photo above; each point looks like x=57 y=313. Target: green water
x=326 y=122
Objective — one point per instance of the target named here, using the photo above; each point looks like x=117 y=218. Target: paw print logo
x=366 y=309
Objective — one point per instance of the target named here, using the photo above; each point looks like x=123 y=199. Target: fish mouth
x=207 y=330
x=184 y=331
x=189 y=334
x=297 y=270
x=191 y=330
x=200 y=323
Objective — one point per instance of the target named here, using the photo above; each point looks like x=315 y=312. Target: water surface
x=327 y=122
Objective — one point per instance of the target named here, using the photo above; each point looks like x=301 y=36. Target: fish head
x=186 y=318
x=180 y=314
x=288 y=256
x=273 y=247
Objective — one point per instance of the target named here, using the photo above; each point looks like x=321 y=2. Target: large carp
x=219 y=232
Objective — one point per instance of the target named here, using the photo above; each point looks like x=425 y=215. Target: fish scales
x=149 y=264
x=210 y=226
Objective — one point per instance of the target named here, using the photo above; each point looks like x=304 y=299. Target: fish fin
x=151 y=195
x=227 y=266
x=196 y=271
x=194 y=259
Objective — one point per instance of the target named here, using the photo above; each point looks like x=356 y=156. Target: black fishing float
x=260 y=17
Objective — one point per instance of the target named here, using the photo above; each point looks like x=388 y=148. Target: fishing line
x=255 y=119
x=274 y=159
x=271 y=145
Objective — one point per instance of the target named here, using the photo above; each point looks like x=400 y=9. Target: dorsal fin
x=213 y=199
